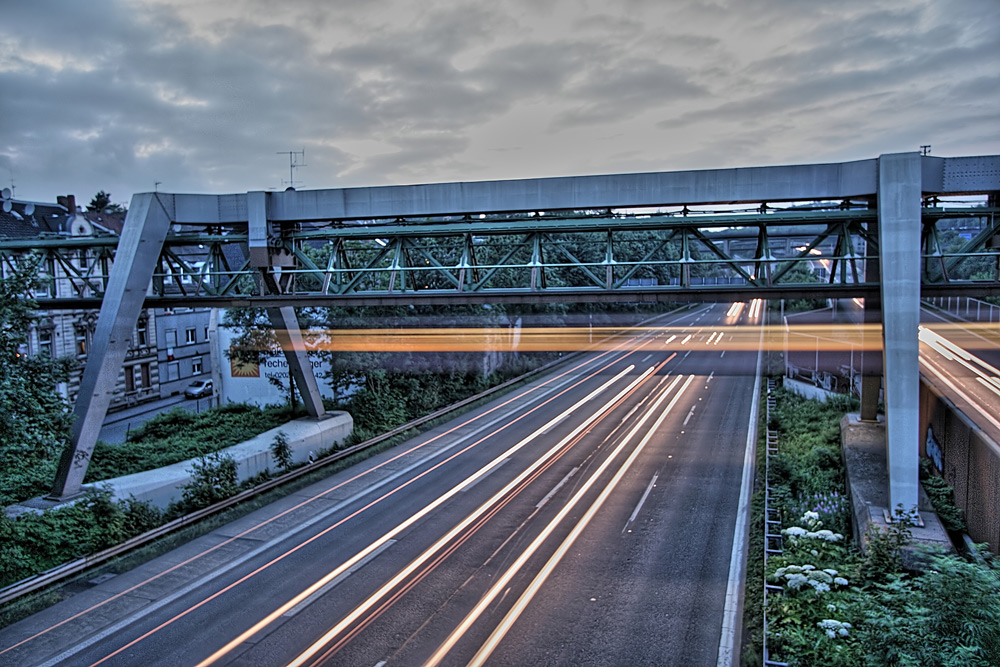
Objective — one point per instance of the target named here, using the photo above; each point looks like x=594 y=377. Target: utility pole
x=292 y=164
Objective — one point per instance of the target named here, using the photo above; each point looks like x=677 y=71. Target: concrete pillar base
x=864 y=452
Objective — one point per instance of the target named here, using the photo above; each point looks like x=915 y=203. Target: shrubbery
x=34 y=543
x=37 y=542
x=179 y=435
x=839 y=607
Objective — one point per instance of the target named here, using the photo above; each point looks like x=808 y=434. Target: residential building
x=70 y=333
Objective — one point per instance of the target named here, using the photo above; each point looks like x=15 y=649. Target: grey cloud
x=163 y=102
x=527 y=69
x=416 y=160
x=624 y=89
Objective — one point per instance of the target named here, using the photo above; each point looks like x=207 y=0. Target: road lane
x=965 y=365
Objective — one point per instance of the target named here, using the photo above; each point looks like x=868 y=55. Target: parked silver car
x=199 y=389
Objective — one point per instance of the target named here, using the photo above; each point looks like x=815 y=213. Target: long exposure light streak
x=645 y=335
x=525 y=555
x=364 y=606
x=515 y=612
x=839 y=337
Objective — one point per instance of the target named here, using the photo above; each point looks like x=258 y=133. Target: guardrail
x=966 y=307
x=66 y=570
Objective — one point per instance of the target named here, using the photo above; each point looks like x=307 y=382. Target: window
x=45 y=343
x=196 y=368
x=206 y=333
x=140 y=333
x=189 y=336
x=171 y=337
x=129 y=379
x=82 y=341
x=144 y=372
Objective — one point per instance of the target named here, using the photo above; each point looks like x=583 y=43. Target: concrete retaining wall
x=163 y=485
x=807 y=390
x=968 y=459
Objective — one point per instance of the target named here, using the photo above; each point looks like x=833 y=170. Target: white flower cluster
x=799 y=576
x=828 y=535
x=834 y=628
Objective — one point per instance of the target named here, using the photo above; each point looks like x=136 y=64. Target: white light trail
x=501 y=583
x=501 y=630
x=375 y=597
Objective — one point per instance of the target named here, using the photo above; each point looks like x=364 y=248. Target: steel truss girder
x=595 y=254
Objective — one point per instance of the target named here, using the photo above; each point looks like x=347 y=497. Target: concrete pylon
x=145 y=229
x=899 y=221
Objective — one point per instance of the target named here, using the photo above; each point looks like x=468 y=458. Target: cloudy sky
x=204 y=95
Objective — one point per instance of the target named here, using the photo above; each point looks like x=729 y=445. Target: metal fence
x=967 y=308
x=772 y=517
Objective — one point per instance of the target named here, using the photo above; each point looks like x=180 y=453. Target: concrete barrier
x=967 y=458
x=164 y=485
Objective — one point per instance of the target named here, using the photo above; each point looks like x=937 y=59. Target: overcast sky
x=202 y=95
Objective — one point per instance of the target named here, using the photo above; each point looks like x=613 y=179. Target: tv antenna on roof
x=292 y=164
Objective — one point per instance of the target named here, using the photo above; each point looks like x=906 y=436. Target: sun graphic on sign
x=242 y=369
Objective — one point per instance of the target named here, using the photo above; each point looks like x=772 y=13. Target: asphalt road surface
x=963 y=361
x=586 y=519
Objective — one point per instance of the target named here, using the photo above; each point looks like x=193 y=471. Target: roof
x=47 y=218
x=44 y=218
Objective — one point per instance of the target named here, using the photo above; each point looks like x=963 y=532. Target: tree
x=102 y=203
x=34 y=418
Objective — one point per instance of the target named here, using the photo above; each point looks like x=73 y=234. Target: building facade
x=70 y=333
x=183 y=352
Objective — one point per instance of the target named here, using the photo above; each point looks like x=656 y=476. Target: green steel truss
x=570 y=256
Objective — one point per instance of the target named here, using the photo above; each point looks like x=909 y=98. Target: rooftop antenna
x=292 y=164
x=13 y=188
x=156 y=186
x=925 y=149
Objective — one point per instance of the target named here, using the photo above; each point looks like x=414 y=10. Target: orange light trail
x=572 y=339
x=834 y=337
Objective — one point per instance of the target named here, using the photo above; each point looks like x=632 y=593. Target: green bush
x=213 y=479
x=942 y=497
x=841 y=607
x=180 y=435
x=281 y=451
x=34 y=543
x=949 y=615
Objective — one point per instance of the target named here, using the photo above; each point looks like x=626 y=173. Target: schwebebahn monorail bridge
x=629 y=237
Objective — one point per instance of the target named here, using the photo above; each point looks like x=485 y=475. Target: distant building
x=183 y=353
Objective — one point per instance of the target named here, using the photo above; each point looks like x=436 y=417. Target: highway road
x=585 y=519
x=963 y=361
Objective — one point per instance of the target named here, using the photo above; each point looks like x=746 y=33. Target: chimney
x=68 y=202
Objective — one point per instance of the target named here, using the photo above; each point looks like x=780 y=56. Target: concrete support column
x=139 y=248
x=286 y=328
x=871 y=358
x=899 y=190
